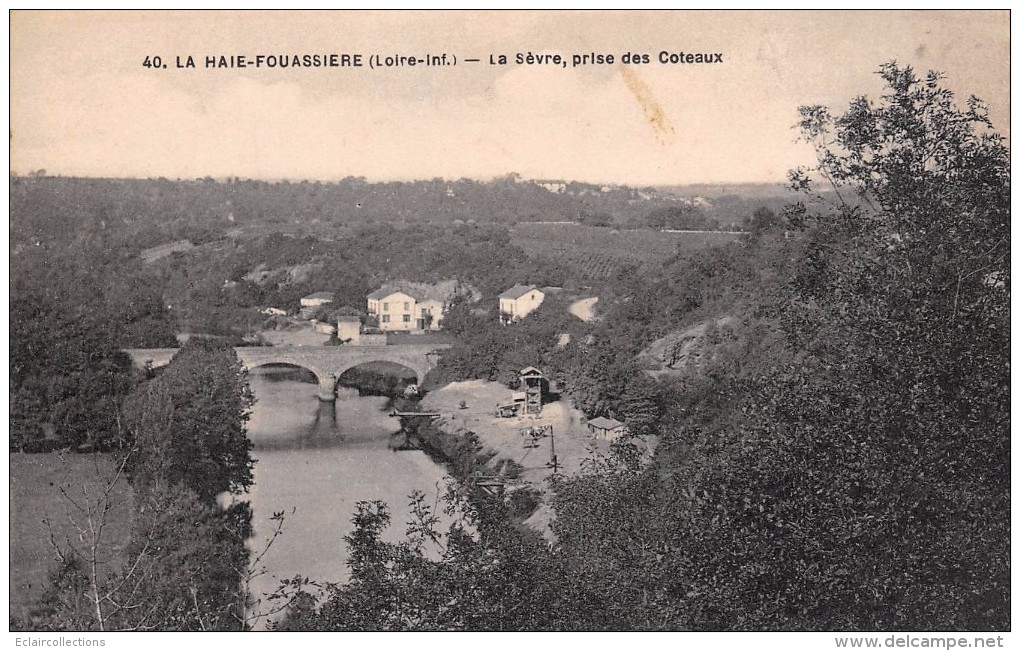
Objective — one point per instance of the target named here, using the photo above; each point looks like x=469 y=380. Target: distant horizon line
x=43 y=173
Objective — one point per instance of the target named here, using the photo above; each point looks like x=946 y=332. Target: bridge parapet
x=327 y=363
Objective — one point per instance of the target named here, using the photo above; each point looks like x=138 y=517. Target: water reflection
x=322 y=432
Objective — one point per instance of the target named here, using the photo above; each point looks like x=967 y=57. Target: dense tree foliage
x=864 y=482
x=186 y=564
x=190 y=422
x=71 y=311
x=125 y=213
x=181 y=572
x=495 y=577
x=66 y=372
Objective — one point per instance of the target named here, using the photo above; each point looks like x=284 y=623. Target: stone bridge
x=327 y=362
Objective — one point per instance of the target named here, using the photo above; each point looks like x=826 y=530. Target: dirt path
x=584 y=309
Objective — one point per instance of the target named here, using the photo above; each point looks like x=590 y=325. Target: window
x=407 y=318
x=386 y=318
x=385 y=307
x=424 y=312
x=407 y=306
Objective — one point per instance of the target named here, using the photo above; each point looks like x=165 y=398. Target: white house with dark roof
x=518 y=302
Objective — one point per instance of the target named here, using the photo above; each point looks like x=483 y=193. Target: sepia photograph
x=695 y=322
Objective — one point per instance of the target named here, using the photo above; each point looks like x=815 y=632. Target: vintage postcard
x=511 y=321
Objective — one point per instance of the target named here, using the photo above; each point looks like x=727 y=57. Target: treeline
x=216 y=288
x=130 y=214
x=841 y=462
x=185 y=566
x=483 y=256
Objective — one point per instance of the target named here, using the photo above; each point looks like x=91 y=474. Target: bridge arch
x=323 y=374
x=327 y=363
x=419 y=370
x=322 y=377
x=379 y=374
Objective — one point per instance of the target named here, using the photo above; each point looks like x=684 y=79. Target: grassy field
x=599 y=252
x=36 y=499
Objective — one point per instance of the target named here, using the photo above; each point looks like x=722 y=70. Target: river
x=314 y=462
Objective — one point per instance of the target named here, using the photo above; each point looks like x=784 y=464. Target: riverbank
x=502 y=447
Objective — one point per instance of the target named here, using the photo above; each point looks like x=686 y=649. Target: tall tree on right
x=868 y=486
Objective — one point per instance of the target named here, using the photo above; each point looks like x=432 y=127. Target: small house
x=606 y=428
x=518 y=302
x=317 y=299
x=313 y=304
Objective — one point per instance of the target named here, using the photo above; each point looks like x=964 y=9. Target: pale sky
x=82 y=103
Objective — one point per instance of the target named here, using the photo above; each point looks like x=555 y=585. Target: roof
x=604 y=423
x=441 y=291
x=530 y=370
x=325 y=295
x=348 y=318
x=384 y=292
x=348 y=310
x=517 y=291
